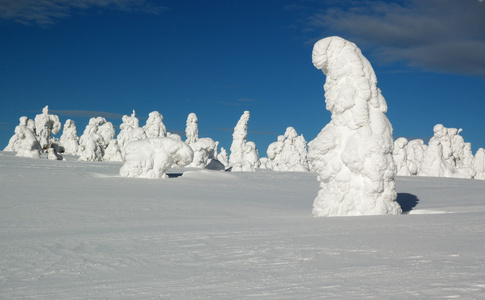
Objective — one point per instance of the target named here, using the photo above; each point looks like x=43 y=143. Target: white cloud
x=439 y=35
x=48 y=12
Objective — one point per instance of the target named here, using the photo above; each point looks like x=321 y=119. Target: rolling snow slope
x=76 y=230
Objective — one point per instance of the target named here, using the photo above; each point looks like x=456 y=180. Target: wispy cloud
x=438 y=35
x=48 y=12
x=86 y=114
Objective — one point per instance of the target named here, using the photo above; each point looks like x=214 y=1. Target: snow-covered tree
x=479 y=164
x=191 y=129
x=434 y=163
x=130 y=130
x=91 y=143
x=204 y=150
x=14 y=142
x=107 y=131
x=352 y=155
x=69 y=139
x=113 y=152
x=223 y=158
x=26 y=143
x=46 y=125
x=400 y=157
x=288 y=153
x=441 y=134
x=414 y=152
x=154 y=126
x=243 y=153
x=151 y=158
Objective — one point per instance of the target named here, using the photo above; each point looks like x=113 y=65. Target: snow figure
x=113 y=152
x=457 y=146
x=400 y=157
x=45 y=126
x=204 y=149
x=479 y=164
x=301 y=146
x=441 y=134
x=151 y=158
x=434 y=163
x=222 y=157
x=274 y=153
x=69 y=139
x=243 y=153
x=14 y=141
x=415 y=151
x=91 y=143
x=27 y=144
x=191 y=130
x=292 y=155
x=130 y=130
x=467 y=155
x=107 y=131
x=154 y=126
x=352 y=155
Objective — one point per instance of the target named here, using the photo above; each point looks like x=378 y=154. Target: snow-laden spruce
x=192 y=129
x=46 y=125
x=244 y=155
x=400 y=157
x=447 y=155
x=151 y=158
x=24 y=141
x=69 y=139
x=154 y=126
x=288 y=153
x=130 y=130
x=352 y=155
x=95 y=138
x=414 y=151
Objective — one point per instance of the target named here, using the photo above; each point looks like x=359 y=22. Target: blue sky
x=88 y=58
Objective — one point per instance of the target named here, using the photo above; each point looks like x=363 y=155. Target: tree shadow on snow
x=174 y=175
x=407 y=201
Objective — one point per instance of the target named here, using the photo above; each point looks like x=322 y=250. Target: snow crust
x=352 y=155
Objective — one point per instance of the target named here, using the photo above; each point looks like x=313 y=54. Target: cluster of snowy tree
x=33 y=137
x=446 y=155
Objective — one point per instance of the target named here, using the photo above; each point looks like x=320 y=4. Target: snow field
x=77 y=230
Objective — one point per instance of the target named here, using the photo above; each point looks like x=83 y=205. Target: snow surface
x=77 y=230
